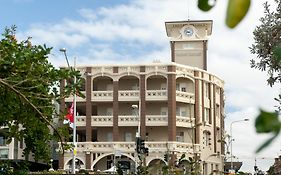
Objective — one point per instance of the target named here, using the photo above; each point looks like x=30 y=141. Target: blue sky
x=133 y=31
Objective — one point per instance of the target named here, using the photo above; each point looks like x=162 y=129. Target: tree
x=267 y=47
x=28 y=88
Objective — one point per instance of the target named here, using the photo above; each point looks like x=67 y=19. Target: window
x=180 y=136
x=163 y=87
x=178 y=111
x=3 y=141
x=109 y=137
x=178 y=87
x=128 y=137
x=207 y=90
x=217 y=110
x=183 y=89
x=207 y=138
x=207 y=115
x=164 y=111
x=4 y=153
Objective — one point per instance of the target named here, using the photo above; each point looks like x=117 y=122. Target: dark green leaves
x=28 y=89
x=204 y=5
x=267 y=122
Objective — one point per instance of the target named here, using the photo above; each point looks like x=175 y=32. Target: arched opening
x=78 y=164
x=109 y=163
x=128 y=83
x=184 y=84
x=156 y=82
x=102 y=83
x=156 y=166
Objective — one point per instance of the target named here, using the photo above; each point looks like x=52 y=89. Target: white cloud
x=141 y=22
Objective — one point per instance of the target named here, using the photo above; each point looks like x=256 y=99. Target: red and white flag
x=69 y=118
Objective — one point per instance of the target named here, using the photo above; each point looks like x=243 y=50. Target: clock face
x=188 y=31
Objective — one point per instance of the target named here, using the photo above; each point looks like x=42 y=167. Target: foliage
x=28 y=89
x=270 y=171
x=267 y=47
x=236 y=10
x=267 y=44
x=7 y=169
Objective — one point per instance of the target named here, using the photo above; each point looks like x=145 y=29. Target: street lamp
x=231 y=140
x=136 y=112
x=74 y=111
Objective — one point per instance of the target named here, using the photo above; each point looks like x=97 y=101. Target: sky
x=119 y=31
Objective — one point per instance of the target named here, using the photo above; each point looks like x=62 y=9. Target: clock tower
x=189 y=42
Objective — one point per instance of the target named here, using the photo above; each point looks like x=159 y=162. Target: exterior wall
x=172 y=118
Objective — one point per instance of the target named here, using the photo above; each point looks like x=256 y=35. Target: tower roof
x=172 y=24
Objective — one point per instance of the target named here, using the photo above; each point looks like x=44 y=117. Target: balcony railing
x=185 y=97
x=128 y=95
x=129 y=147
x=130 y=120
x=156 y=120
x=156 y=95
x=102 y=95
x=185 y=121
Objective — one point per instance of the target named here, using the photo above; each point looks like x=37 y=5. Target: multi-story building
x=181 y=107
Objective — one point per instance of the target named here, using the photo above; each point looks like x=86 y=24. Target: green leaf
x=267 y=122
x=204 y=5
x=266 y=143
x=236 y=11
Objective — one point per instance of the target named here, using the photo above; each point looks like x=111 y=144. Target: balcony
x=185 y=97
x=102 y=96
x=106 y=121
x=128 y=95
x=129 y=147
x=153 y=95
x=185 y=121
x=156 y=120
x=130 y=120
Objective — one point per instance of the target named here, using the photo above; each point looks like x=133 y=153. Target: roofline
x=190 y=21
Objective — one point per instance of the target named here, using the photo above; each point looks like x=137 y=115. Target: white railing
x=185 y=121
x=185 y=97
x=129 y=147
x=156 y=94
x=80 y=120
x=156 y=120
x=102 y=121
x=127 y=120
x=132 y=95
x=102 y=95
x=130 y=120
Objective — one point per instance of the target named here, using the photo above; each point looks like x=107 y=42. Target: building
x=181 y=107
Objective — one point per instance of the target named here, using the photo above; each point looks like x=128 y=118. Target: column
x=88 y=89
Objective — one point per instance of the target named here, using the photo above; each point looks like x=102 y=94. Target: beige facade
x=181 y=108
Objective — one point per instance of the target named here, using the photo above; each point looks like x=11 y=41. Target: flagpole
x=74 y=123
x=74 y=110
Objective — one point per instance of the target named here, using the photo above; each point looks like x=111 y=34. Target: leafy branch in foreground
x=236 y=10
x=267 y=47
x=28 y=89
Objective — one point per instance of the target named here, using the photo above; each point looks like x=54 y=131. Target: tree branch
x=34 y=107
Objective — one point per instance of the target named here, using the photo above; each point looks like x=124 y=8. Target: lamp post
x=74 y=111
x=136 y=112
x=231 y=140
